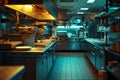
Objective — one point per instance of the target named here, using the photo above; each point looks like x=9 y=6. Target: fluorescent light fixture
x=90 y=1
x=80 y=12
x=84 y=8
x=114 y=8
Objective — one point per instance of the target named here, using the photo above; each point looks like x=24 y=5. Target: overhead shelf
x=112 y=8
x=111 y=12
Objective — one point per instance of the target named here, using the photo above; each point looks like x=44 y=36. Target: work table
x=101 y=55
x=37 y=60
x=11 y=72
x=34 y=49
x=96 y=54
x=96 y=42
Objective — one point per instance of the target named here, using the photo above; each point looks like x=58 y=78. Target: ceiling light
x=27 y=8
x=90 y=1
x=114 y=8
x=80 y=12
x=84 y=8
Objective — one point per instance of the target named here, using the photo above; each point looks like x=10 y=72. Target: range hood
x=39 y=9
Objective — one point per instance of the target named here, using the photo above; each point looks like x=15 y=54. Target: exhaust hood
x=35 y=8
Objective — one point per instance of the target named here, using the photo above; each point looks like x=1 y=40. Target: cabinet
x=31 y=63
x=91 y=54
x=100 y=58
x=96 y=55
x=71 y=44
x=37 y=65
x=36 y=61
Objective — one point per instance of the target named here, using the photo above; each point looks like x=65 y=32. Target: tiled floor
x=71 y=66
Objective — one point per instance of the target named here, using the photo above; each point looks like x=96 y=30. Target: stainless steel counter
x=37 y=60
x=96 y=42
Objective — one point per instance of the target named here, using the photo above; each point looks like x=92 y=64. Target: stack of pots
x=115 y=47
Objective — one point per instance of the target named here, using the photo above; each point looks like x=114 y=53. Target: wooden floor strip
x=71 y=66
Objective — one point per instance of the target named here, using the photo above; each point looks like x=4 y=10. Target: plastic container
x=118 y=46
x=113 y=47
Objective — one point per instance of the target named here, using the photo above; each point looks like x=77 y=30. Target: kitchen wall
x=92 y=29
x=74 y=31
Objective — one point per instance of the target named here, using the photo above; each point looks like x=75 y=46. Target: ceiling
x=67 y=9
x=70 y=8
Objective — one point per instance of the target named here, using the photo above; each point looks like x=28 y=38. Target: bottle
x=102 y=74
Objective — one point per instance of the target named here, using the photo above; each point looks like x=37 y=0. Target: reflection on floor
x=71 y=66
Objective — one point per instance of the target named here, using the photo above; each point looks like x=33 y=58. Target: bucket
x=102 y=74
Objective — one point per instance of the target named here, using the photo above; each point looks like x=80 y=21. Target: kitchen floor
x=71 y=66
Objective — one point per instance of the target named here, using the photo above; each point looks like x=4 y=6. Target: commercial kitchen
x=59 y=39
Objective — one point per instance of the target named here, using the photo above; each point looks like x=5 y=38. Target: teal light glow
x=114 y=8
x=90 y=1
x=80 y=12
x=84 y=8
x=3 y=16
x=3 y=26
x=78 y=20
x=73 y=26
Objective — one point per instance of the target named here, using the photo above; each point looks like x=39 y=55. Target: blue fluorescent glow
x=84 y=8
x=114 y=8
x=90 y=1
x=60 y=26
x=72 y=26
x=80 y=12
x=3 y=16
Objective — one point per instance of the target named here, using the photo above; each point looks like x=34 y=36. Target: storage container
x=118 y=46
x=113 y=28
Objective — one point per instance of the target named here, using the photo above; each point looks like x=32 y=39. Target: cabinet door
x=100 y=59
x=49 y=61
x=11 y=59
x=1 y=59
x=45 y=65
x=93 y=57
x=30 y=64
x=40 y=69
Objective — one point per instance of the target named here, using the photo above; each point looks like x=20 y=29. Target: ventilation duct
x=39 y=9
x=23 y=1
